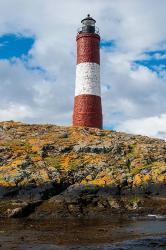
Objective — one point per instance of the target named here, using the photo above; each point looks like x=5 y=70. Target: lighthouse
x=87 y=101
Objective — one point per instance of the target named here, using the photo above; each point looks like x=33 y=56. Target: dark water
x=104 y=233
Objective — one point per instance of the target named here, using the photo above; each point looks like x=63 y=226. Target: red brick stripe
x=88 y=48
x=87 y=111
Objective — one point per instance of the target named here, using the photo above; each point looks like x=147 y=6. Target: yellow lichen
x=146 y=177
x=16 y=162
x=83 y=182
x=137 y=180
x=36 y=158
x=69 y=161
x=161 y=178
x=24 y=141
x=89 y=177
x=4 y=183
x=36 y=148
x=65 y=161
x=105 y=180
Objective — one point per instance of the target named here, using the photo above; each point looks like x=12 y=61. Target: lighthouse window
x=89 y=22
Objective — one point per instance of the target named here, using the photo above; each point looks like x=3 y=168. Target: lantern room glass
x=88 y=24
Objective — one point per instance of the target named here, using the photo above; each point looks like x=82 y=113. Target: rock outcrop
x=84 y=170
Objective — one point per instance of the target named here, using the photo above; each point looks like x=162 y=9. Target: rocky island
x=49 y=171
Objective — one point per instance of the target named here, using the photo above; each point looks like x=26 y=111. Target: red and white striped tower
x=87 y=101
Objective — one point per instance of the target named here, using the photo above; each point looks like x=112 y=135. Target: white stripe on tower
x=87 y=79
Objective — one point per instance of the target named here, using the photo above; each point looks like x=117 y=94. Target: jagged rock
x=63 y=135
x=80 y=200
x=39 y=161
x=16 y=209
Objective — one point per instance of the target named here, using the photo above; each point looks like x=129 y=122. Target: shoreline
x=81 y=233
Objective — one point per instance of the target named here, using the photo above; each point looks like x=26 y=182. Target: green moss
x=134 y=200
x=137 y=169
x=18 y=145
x=53 y=161
x=132 y=149
x=74 y=163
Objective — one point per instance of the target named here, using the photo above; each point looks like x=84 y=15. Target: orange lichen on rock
x=65 y=161
x=69 y=161
x=35 y=144
x=43 y=153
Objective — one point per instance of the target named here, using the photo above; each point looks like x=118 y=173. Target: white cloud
x=42 y=98
x=152 y=126
x=129 y=92
x=15 y=112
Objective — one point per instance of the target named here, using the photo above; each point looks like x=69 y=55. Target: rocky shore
x=53 y=171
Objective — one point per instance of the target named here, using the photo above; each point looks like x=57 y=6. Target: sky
x=38 y=57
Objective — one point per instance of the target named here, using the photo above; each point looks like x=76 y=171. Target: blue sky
x=108 y=45
x=37 y=62
x=155 y=61
x=14 y=45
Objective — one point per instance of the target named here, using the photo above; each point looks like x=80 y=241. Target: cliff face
x=39 y=161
